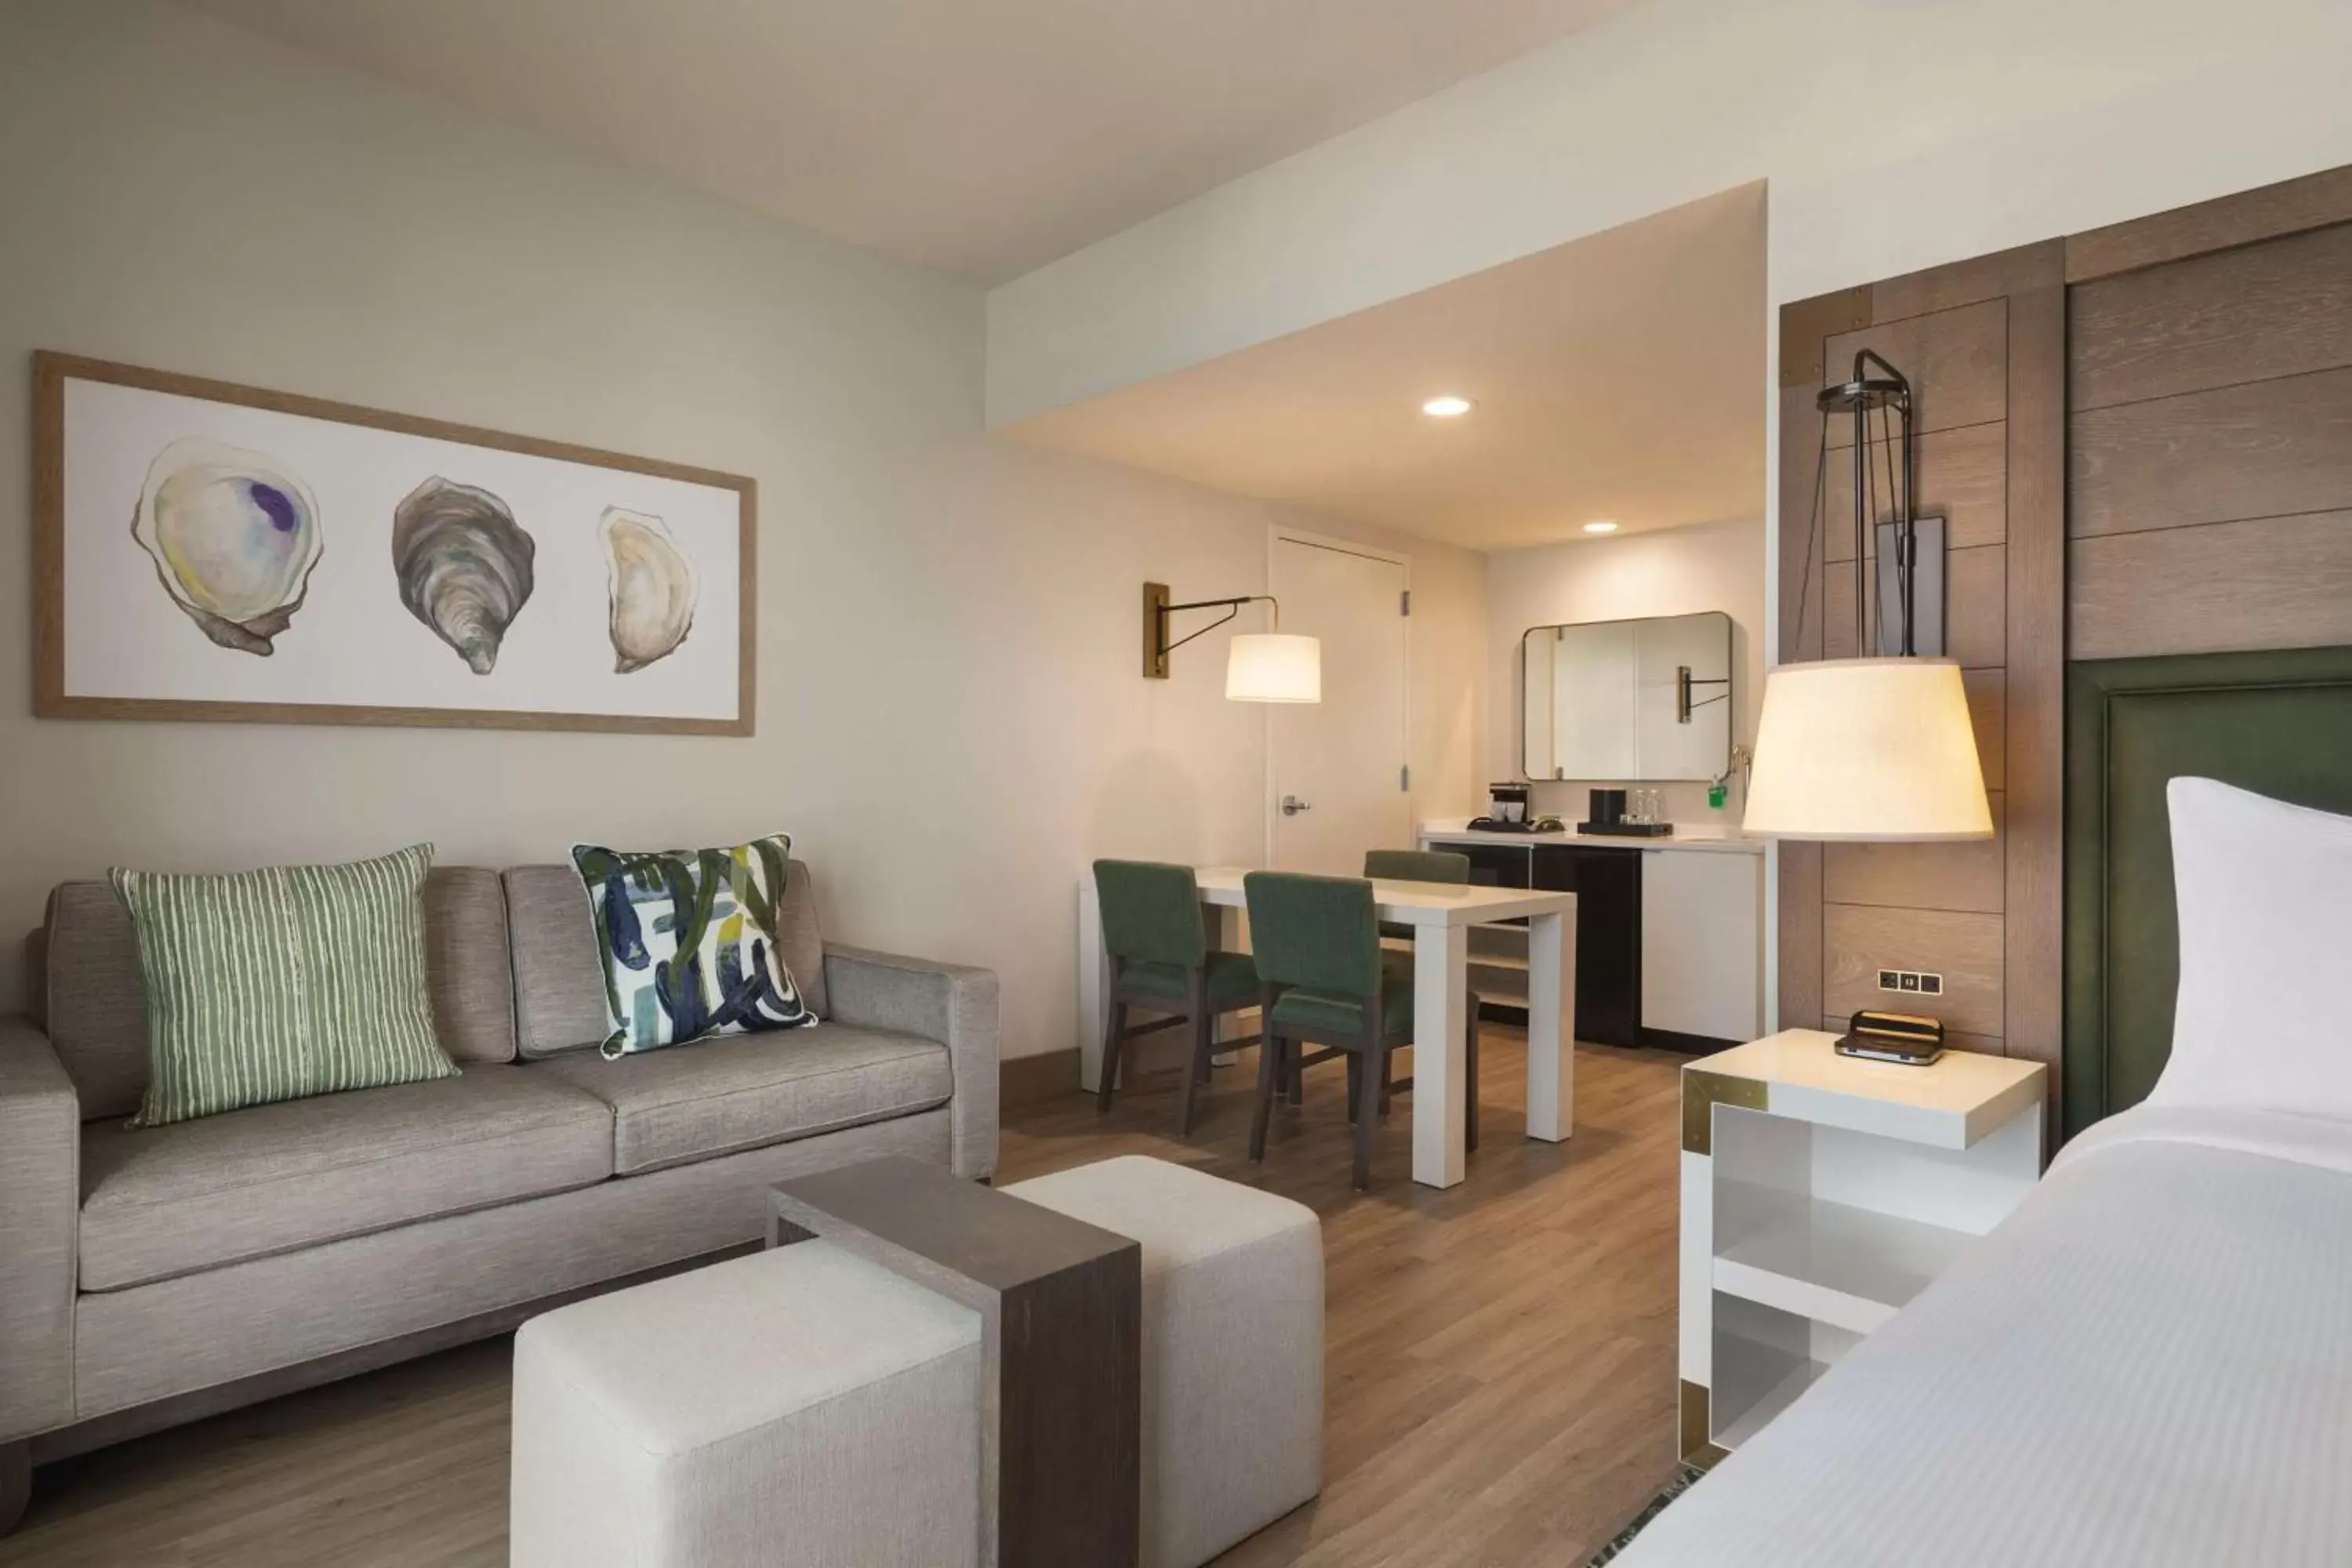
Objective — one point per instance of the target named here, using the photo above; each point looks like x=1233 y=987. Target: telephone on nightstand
x=1902 y=1037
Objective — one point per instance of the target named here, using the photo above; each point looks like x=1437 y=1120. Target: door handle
x=1292 y=806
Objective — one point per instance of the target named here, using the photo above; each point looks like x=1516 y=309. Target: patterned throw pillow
x=689 y=942
x=282 y=982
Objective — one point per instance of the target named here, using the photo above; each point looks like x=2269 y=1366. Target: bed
x=2150 y=1361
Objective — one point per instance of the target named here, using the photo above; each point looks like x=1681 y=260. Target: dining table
x=1440 y=915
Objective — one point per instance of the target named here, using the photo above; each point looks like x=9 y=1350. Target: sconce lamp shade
x=1275 y=667
x=1873 y=750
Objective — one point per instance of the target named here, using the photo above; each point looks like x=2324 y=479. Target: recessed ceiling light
x=1604 y=525
x=1446 y=407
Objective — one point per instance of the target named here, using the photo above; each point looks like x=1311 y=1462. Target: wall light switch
x=1931 y=984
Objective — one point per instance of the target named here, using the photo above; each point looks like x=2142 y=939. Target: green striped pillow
x=281 y=982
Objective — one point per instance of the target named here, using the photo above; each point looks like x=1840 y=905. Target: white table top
x=1961 y=1096
x=1703 y=838
x=1413 y=903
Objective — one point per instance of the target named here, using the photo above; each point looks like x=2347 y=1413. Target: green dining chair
x=1444 y=866
x=1160 y=961
x=1317 y=944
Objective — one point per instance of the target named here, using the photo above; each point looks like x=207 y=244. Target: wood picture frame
x=52 y=373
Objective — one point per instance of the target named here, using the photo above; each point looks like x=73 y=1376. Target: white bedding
x=2148 y=1364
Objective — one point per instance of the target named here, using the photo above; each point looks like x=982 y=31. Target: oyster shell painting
x=464 y=566
x=234 y=537
x=652 y=588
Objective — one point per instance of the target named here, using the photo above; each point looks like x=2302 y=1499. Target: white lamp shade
x=1275 y=667
x=1876 y=749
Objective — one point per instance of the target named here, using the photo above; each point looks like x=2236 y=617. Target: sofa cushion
x=170 y=1200
x=676 y=1106
x=282 y=981
x=689 y=942
x=559 y=980
x=93 y=1001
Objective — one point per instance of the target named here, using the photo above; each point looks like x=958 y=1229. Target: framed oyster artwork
x=214 y=552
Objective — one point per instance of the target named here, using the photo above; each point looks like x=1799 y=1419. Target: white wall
x=951 y=719
x=1670 y=572
x=2019 y=120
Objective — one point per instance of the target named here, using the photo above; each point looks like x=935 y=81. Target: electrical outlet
x=1911 y=979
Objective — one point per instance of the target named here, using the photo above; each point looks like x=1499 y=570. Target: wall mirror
x=1647 y=699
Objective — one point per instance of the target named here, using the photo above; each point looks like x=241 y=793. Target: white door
x=1337 y=765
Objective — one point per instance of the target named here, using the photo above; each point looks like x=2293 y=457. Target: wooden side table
x=1061 y=1306
x=1820 y=1194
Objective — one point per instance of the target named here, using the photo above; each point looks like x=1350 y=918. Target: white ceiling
x=979 y=137
x=1622 y=376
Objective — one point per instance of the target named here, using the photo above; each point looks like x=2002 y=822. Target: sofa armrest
x=40 y=1202
x=953 y=1004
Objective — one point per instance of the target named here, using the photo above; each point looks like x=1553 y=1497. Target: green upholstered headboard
x=2277 y=722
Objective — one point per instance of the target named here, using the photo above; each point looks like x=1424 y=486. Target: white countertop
x=1704 y=836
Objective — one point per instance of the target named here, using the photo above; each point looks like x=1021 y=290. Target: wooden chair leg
x=1374 y=1067
x=1269 y=1072
x=1355 y=1087
x=1196 y=1065
x=1112 y=1040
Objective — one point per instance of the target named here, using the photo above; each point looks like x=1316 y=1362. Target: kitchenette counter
x=1708 y=838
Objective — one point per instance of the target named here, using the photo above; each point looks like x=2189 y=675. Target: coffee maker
x=1509 y=811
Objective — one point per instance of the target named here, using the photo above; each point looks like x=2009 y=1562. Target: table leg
x=1552 y=1025
x=1094 y=987
x=1441 y=993
x=1224 y=923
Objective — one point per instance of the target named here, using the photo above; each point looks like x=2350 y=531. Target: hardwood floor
x=1500 y=1380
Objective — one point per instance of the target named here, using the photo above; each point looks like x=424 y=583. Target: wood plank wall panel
x=1797 y=886
x=2034 y=689
x=2264 y=582
x=2243 y=217
x=1956 y=361
x=2209 y=450
x=2264 y=448
x=1965 y=949
x=1963 y=474
x=1848 y=910
x=1976 y=607
x=1989 y=709
x=2282 y=308
x=1969 y=878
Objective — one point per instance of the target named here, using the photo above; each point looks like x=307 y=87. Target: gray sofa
x=152 y=1277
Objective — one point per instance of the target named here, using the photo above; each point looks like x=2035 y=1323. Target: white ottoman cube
x=1232 y=1346
x=799 y=1405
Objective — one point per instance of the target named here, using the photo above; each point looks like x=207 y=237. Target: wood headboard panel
x=2277 y=722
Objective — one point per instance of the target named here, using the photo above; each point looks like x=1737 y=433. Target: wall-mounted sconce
x=1874 y=749
x=1910 y=548
x=1271 y=666
x=1685 y=683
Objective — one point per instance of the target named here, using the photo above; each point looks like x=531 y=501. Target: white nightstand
x=1821 y=1192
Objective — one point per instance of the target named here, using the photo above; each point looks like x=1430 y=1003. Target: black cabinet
x=1608 y=888
x=1495 y=864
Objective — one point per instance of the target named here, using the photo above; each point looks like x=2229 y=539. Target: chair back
x=1417 y=866
x=1316 y=931
x=1152 y=912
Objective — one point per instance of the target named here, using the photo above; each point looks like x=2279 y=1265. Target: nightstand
x=1821 y=1192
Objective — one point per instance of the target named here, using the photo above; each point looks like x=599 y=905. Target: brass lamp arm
x=1157 y=609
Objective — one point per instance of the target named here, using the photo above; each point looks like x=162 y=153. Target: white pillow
x=2264 y=890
